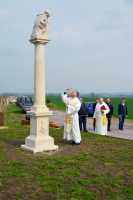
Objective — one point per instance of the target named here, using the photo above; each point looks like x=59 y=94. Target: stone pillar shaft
x=39 y=76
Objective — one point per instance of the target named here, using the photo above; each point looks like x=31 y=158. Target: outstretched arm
x=64 y=96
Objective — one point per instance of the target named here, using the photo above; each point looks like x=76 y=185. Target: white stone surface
x=39 y=139
x=39 y=149
x=41 y=25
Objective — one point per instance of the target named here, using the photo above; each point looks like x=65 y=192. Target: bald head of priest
x=74 y=93
x=101 y=100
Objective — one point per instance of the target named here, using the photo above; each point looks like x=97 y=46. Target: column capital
x=39 y=40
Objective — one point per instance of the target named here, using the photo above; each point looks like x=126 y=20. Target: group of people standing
x=76 y=113
x=122 y=111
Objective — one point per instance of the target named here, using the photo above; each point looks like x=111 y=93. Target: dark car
x=89 y=106
x=27 y=103
x=19 y=100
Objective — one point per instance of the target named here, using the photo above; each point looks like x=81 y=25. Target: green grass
x=100 y=168
x=57 y=104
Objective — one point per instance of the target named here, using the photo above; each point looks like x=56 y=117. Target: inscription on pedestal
x=43 y=126
x=42 y=130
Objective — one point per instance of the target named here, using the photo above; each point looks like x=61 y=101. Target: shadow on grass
x=17 y=111
x=16 y=142
x=14 y=111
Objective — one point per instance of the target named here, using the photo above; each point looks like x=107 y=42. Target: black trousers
x=94 y=123
x=82 y=120
x=109 y=122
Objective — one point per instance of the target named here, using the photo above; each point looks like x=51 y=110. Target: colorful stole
x=96 y=121
x=69 y=118
x=104 y=120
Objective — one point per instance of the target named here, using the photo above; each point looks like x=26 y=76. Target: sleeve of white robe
x=107 y=109
x=74 y=109
x=64 y=98
x=94 y=115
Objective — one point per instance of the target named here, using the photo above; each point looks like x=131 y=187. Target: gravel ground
x=59 y=116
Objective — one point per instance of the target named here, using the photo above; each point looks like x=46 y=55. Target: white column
x=39 y=139
x=39 y=76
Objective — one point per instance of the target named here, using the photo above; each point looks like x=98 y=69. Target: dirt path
x=59 y=116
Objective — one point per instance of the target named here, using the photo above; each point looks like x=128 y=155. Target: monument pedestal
x=39 y=139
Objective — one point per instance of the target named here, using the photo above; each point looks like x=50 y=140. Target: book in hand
x=103 y=107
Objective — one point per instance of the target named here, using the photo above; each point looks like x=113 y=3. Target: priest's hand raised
x=67 y=90
x=66 y=105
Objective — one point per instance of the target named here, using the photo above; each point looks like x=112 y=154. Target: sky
x=91 y=47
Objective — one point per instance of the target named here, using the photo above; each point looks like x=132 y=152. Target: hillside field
x=114 y=101
x=100 y=168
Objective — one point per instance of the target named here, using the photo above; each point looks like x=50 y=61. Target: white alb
x=75 y=131
x=100 y=129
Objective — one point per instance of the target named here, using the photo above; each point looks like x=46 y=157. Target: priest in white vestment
x=100 y=117
x=71 y=126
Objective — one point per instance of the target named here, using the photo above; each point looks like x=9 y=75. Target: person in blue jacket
x=122 y=111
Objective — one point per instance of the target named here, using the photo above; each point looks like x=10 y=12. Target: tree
x=92 y=94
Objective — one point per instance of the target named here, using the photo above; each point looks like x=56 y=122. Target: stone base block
x=39 y=149
x=56 y=126
x=25 y=122
x=1 y=119
x=39 y=144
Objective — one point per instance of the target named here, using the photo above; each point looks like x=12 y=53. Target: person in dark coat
x=110 y=114
x=94 y=106
x=83 y=112
x=122 y=110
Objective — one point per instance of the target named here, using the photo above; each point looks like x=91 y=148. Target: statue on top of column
x=41 y=25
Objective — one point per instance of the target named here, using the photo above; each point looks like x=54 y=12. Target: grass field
x=101 y=168
x=114 y=101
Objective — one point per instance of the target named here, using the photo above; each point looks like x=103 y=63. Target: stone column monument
x=39 y=139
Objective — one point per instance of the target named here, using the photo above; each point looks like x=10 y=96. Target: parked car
x=89 y=106
x=27 y=103
x=13 y=101
x=19 y=100
x=16 y=101
x=21 y=103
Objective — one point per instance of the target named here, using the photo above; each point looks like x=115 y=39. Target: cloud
x=55 y=35
x=104 y=69
x=93 y=57
x=4 y=13
x=70 y=35
x=70 y=31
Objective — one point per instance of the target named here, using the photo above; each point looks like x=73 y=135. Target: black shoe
x=109 y=129
x=75 y=144
x=86 y=131
x=72 y=143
